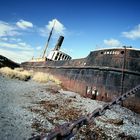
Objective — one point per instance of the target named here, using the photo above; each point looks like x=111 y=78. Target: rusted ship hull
x=102 y=75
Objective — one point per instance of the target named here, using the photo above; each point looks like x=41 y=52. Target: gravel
x=30 y=108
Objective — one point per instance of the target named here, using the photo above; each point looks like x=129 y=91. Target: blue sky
x=87 y=25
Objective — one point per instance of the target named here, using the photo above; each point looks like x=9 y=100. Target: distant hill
x=5 y=62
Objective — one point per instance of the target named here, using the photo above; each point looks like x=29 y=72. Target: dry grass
x=40 y=77
x=43 y=78
x=54 y=79
x=19 y=69
x=21 y=74
x=15 y=73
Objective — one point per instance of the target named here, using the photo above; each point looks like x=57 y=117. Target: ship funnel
x=59 y=43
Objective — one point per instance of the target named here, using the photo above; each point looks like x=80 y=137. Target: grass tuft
x=44 y=77
x=40 y=77
x=15 y=73
x=54 y=79
x=21 y=74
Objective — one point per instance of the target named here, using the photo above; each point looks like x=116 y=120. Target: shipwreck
x=103 y=75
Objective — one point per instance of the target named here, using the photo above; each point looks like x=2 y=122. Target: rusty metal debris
x=113 y=121
x=68 y=130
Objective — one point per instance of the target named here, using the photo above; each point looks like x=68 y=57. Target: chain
x=68 y=130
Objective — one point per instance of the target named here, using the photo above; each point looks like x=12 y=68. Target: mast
x=43 y=56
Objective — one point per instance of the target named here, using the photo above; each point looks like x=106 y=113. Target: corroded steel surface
x=106 y=83
x=100 y=70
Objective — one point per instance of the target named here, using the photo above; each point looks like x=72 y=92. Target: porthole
x=122 y=52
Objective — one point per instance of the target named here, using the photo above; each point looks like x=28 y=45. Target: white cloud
x=112 y=42
x=133 y=34
x=12 y=46
x=7 y=30
x=58 y=28
x=17 y=56
x=24 y=24
x=17 y=51
x=20 y=45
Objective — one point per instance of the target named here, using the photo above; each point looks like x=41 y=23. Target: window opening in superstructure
x=56 y=56
x=60 y=56
x=63 y=57
x=111 y=52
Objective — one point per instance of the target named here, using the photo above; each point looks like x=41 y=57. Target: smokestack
x=59 y=43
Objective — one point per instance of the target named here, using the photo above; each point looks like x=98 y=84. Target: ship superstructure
x=55 y=54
